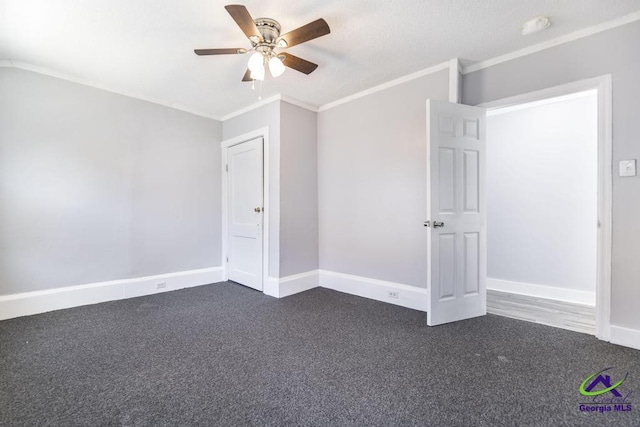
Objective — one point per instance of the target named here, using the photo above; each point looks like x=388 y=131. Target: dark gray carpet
x=227 y=355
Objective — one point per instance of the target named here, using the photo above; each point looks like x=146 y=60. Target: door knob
x=434 y=224
x=257 y=210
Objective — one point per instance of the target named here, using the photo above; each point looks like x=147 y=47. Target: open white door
x=244 y=192
x=456 y=205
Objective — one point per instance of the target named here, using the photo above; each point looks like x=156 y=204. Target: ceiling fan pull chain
x=260 y=97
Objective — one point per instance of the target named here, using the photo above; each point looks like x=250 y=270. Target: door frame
x=224 y=146
x=603 y=86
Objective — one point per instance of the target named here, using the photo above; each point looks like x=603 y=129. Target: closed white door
x=245 y=201
x=456 y=205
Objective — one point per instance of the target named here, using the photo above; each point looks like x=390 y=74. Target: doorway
x=244 y=200
x=549 y=206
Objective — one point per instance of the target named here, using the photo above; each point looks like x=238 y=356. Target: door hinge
x=226 y=168
x=227 y=259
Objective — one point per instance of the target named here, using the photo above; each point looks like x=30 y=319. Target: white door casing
x=245 y=213
x=457 y=261
x=605 y=178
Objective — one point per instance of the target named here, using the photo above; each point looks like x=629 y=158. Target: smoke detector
x=535 y=25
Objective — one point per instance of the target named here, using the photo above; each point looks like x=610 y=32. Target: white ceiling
x=145 y=47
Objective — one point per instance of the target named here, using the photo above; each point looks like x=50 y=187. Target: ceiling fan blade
x=298 y=64
x=241 y=15
x=312 y=30
x=247 y=76
x=230 y=51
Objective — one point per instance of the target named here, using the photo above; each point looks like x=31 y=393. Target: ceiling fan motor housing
x=269 y=30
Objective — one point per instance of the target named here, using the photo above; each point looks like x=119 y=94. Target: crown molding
x=455 y=77
x=627 y=19
x=49 y=72
x=387 y=85
x=251 y=107
x=298 y=103
x=586 y=32
x=277 y=97
x=290 y=100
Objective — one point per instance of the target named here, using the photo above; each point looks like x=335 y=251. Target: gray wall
x=293 y=191
x=298 y=190
x=612 y=52
x=96 y=186
x=372 y=182
x=267 y=115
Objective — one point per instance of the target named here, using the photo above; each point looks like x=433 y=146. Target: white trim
x=605 y=181
x=427 y=189
x=257 y=133
x=298 y=103
x=297 y=283
x=455 y=80
x=625 y=336
x=541 y=102
x=272 y=287
x=250 y=107
x=586 y=32
x=548 y=93
x=266 y=208
x=605 y=206
x=542 y=291
x=290 y=285
x=28 y=303
x=49 y=72
x=274 y=98
x=392 y=83
x=408 y=296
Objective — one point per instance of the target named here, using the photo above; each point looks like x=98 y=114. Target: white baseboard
x=298 y=283
x=541 y=291
x=625 y=337
x=272 y=287
x=408 y=296
x=28 y=303
x=290 y=285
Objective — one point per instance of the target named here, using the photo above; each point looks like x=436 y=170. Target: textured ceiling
x=145 y=47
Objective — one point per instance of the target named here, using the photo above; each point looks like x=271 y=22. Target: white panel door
x=456 y=206
x=245 y=184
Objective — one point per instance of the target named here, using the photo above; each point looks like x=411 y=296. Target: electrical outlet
x=392 y=294
x=161 y=285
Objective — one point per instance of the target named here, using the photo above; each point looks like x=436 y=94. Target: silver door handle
x=436 y=224
x=257 y=210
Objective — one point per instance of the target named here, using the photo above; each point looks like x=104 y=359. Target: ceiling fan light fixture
x=258 y=73
x=276 y=66
x=256 y=61
x=265 y=38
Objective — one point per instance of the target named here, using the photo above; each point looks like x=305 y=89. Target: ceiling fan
x=265 y=38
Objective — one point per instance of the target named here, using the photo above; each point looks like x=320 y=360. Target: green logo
x=605 y=380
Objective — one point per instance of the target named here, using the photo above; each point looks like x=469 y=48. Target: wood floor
x=575 y=317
